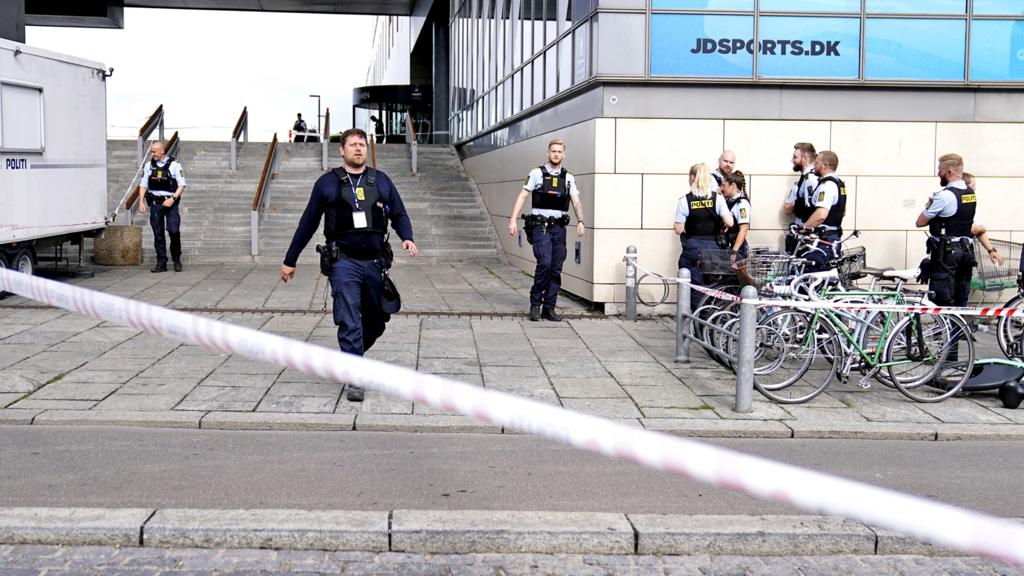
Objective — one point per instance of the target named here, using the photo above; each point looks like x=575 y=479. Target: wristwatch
x=991 y=250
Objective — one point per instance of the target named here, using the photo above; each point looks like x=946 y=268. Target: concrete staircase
x=448 y=217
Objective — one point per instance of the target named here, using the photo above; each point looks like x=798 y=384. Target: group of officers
x=715 y=213
x=357 y=203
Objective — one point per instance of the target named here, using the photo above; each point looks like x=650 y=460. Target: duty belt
x=538 y=220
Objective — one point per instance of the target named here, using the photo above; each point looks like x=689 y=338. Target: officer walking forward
x=701 y=216
x=163 y=183
x=798 y=203
x=355 y=202
x=551 y=188
x=829 y=200
x=949 y=216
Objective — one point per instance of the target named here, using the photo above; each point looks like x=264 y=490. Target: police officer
x=551 y=189
x=979 y=231
x=733 y=189
x=163 y=183
x=726 y=164
x=949 y=216
x=798 y=202
x=829 y=200
x=356 y=202
x=701 y=216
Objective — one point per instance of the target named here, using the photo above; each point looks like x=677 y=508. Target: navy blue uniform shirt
x=326 y=191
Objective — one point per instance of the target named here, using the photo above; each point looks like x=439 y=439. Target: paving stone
x=14 y=382
x=376 y=403
x=55 y=362
x=18 y=416
x=814 y=413
x=141 y=385
x=413 y=423
x=477 y=531
x=862 y=430
x=30 y=404
x=563 y=368
x=243 y=365
x=228 y=379
x=963 y=411
x=98 y=377
x=277 y=421
x=237 y=398
x=72 y=526
x=886 y=410
x=587 y=387
x=291 y=529
x=448 y=365
x=164 y=419
x=140 y=402
x=979 y=432
x=704 y=412
x=707 y=428
x=670 y=396
x=298 y=404
x=603 y=407
x=761 y=409
x=74 y=391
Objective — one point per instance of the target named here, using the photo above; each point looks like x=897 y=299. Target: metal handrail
x=410 y=137
x=131 y=196
x=156 y=120
x=262 y=193
x=325 y=140
x=241 y=129
x=373 y=152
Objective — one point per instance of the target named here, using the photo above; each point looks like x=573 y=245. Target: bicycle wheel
x=930 y=357
x=1010 y=331
x=793 y=357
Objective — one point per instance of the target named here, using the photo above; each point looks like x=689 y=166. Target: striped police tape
x=957 y=528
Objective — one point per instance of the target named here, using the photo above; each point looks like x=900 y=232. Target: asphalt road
x=162 y=468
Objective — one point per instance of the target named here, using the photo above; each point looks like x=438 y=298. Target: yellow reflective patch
x=360 y=195
x=968 y=198
x=554 y=182
x=842 y=191
x=159 y=173
x=743 y=212
x=702 y=204
x=821 y=196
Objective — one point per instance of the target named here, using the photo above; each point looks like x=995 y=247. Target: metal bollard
x=745 y=355
x=683 y=320
x=631 y=283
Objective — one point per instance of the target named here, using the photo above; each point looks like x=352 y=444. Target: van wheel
x=24 y=262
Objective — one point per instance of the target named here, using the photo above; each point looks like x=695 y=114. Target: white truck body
x=53 y=147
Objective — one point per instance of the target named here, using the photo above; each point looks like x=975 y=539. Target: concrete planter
x=119 y=246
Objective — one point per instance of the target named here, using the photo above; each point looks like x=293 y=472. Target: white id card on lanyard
x=358 y=219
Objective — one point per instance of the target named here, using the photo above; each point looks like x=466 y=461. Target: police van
x=53 y=151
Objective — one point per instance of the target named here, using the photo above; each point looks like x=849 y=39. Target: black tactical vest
x=338 y=219
x=733 y=232
x=703 y=220
x=801 y=209
x=959 y=224
x=160 y=179
x=838 y=210
x=553 y=191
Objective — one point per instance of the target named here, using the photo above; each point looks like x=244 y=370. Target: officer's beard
x=943 y=180
x=355 y=162
x=797 y=167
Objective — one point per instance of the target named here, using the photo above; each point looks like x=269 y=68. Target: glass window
x=703 y=4
x=564 y=63
x=581 y=54
x=582 y=8
x=539 y=19
x=620 y=42
x=527 y=16
x=917 y=6
x=517 y=92
x=527 y=86
x=809 y=47
x=810 y=6
x=564 y=15
x=1007 y=7
x=997 y=50
x=538 y=80
x=21 y=118
x=914 y=49
x=550 y=72
x=699 y=45
x=516 y=27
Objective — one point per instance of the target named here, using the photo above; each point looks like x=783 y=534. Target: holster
x=329 y=254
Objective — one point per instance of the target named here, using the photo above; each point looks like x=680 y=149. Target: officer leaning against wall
x=551 y=188
x=829 y=198
x=798 y=202
x=949 y=216
x=163 y=183
x=356 y=202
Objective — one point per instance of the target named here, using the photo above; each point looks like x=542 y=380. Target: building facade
x=642 y=89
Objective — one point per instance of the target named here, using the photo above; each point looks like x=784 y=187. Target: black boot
x=550 y=314
x=177 y=266
x=159 y=268
x=534 y=313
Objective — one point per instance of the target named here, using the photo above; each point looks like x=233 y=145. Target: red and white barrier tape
x=717 y=294
x=940 y=523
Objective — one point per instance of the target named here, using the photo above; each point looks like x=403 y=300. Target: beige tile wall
x=632 y=171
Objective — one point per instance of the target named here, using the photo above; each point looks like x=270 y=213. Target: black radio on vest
x=959 y=224
x=160 y=179
x=553 y=191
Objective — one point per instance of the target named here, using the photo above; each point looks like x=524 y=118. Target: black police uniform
x=700 y=231
x=355 y=210
x=733 y=233
x=802 y=210
x=951 y=251
x=547 y=234
x=832 y=226
x=160 y=186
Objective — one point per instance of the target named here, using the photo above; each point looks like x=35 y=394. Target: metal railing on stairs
x=410 y=137
x=155 y=122
x=132 y=196
x=241 y=130
x=261 y=199
x=325 y=141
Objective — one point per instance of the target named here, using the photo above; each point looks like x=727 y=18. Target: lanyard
x=355 y=197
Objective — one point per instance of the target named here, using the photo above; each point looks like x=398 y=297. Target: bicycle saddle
x=907 y=275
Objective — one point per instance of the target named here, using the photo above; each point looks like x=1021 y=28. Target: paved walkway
x=461 y=320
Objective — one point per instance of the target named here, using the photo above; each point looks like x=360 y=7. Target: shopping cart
x=994 y=277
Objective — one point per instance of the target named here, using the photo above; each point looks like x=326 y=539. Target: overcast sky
x=203 y=66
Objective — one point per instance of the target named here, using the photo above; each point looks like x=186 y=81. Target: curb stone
x=73 y=526
x=161 y=419
x=277 y=421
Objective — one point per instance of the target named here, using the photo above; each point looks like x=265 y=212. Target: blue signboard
x=1005 y=7
x=907 y=49
x=698 y=45
x=997 y=50
x=808 y=47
